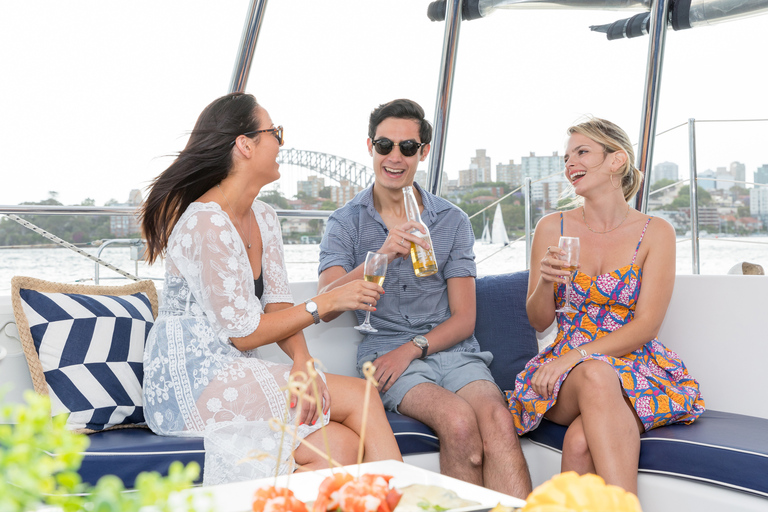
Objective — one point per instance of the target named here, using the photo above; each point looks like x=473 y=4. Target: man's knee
x=460 y=426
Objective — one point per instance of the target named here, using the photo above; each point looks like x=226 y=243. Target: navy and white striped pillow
x=89 y=349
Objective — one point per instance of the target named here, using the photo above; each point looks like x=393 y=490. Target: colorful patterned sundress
x=654 y=378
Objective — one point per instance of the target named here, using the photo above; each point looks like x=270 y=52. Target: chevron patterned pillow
x=84 y=346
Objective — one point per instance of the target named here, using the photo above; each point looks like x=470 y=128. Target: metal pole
x=694 y=196
x=444 y=90
x=657 y=38
x=527 y=197
x=247 y=45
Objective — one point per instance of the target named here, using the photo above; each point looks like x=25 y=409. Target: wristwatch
x=311 y=308
x=422 y=343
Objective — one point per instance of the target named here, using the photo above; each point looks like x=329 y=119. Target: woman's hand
x=544 y=379
x=308 y=414
x=398 y=242
x=551 y=266
x=358 y=294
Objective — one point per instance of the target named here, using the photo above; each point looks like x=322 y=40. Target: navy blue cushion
x=84 y=346
x=502 y=325
x=719 y=448
x=412 y=435
x=128 y=452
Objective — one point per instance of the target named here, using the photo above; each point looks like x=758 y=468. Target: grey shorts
x=450 y=370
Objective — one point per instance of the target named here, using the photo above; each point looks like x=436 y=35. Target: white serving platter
x=238 y=497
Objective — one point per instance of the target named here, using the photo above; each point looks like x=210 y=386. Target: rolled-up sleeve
x=336 y=246
x=461 y=260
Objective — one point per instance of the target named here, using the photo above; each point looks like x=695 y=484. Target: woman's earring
x=613 y=184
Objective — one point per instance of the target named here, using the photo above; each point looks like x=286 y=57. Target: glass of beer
x=570 y=246
x=374 y=271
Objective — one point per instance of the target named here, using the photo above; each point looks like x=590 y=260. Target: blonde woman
x=606 y=376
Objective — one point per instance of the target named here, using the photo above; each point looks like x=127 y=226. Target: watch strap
x=313 y=311
x=424 y=348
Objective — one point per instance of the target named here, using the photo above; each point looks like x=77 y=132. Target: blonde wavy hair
x=613 y=139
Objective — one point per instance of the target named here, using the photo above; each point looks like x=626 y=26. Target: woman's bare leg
x=342 y=444
x=347 y=398
x=610 y=425
x=576 y=455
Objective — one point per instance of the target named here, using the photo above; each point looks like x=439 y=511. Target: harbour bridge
x=332 y=166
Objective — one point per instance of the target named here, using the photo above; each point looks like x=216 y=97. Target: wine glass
x=374 y=271
x=570 y=245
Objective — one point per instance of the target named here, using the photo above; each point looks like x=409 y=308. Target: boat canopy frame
x=453 y=16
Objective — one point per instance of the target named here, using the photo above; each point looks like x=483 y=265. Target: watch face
x=421 y=341
x=311 y=306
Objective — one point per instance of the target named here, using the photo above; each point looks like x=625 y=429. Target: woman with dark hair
x=226 y=293
x=606 y=376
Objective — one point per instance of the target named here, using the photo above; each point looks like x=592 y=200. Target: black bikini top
x=258 y=286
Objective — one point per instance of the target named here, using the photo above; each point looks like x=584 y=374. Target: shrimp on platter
x=367 y=493
x=276 y=499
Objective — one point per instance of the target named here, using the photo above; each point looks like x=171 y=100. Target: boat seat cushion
x=721 y=448
x=502 y=327
x=128 y=452
x=84 y=346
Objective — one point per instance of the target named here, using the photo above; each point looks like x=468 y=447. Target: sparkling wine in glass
x=374 y=271
x=570 y=246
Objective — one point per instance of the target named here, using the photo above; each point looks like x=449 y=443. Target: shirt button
x=406 y=317
x=405 y=286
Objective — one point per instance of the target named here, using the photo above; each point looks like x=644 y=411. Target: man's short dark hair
x=401 y=109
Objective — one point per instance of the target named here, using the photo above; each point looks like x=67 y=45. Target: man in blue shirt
x=428 y=363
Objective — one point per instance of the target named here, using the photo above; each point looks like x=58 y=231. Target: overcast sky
x=95 y=94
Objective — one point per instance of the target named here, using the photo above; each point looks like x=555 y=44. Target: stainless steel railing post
x=694 y=197
x=444 y=91
x=527 y=196
x=247 y=45
x=657 y=38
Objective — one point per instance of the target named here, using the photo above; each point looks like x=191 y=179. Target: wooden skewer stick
x=368 y=371
x=313 y=375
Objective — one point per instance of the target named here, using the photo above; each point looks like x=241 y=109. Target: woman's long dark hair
x=204 y=162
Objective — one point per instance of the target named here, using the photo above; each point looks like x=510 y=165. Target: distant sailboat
x=486 y=238
x=499 y=233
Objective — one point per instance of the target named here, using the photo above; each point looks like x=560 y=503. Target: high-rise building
x=311 y=186
x=758 y=202
x=344 y=192
x=538 y=167
x=739 y=172
x=723 y=179
x=761 y=174
x=479 y=170
x=509 y=173
x=707 y=179
x=481 y=165
x=665 y=171
x=549 y=190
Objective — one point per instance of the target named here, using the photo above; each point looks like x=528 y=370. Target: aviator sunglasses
x=407 y=147
x=276 y=132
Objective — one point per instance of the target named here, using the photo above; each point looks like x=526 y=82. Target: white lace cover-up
x=196 y=383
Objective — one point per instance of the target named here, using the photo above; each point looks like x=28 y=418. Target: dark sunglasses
x=277 y=132
x=407 y=147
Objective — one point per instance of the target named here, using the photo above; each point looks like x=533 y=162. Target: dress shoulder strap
x=641 y=239
x=561 y=223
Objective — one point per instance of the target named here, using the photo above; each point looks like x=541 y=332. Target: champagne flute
x=570 y=245
x=374 y=271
